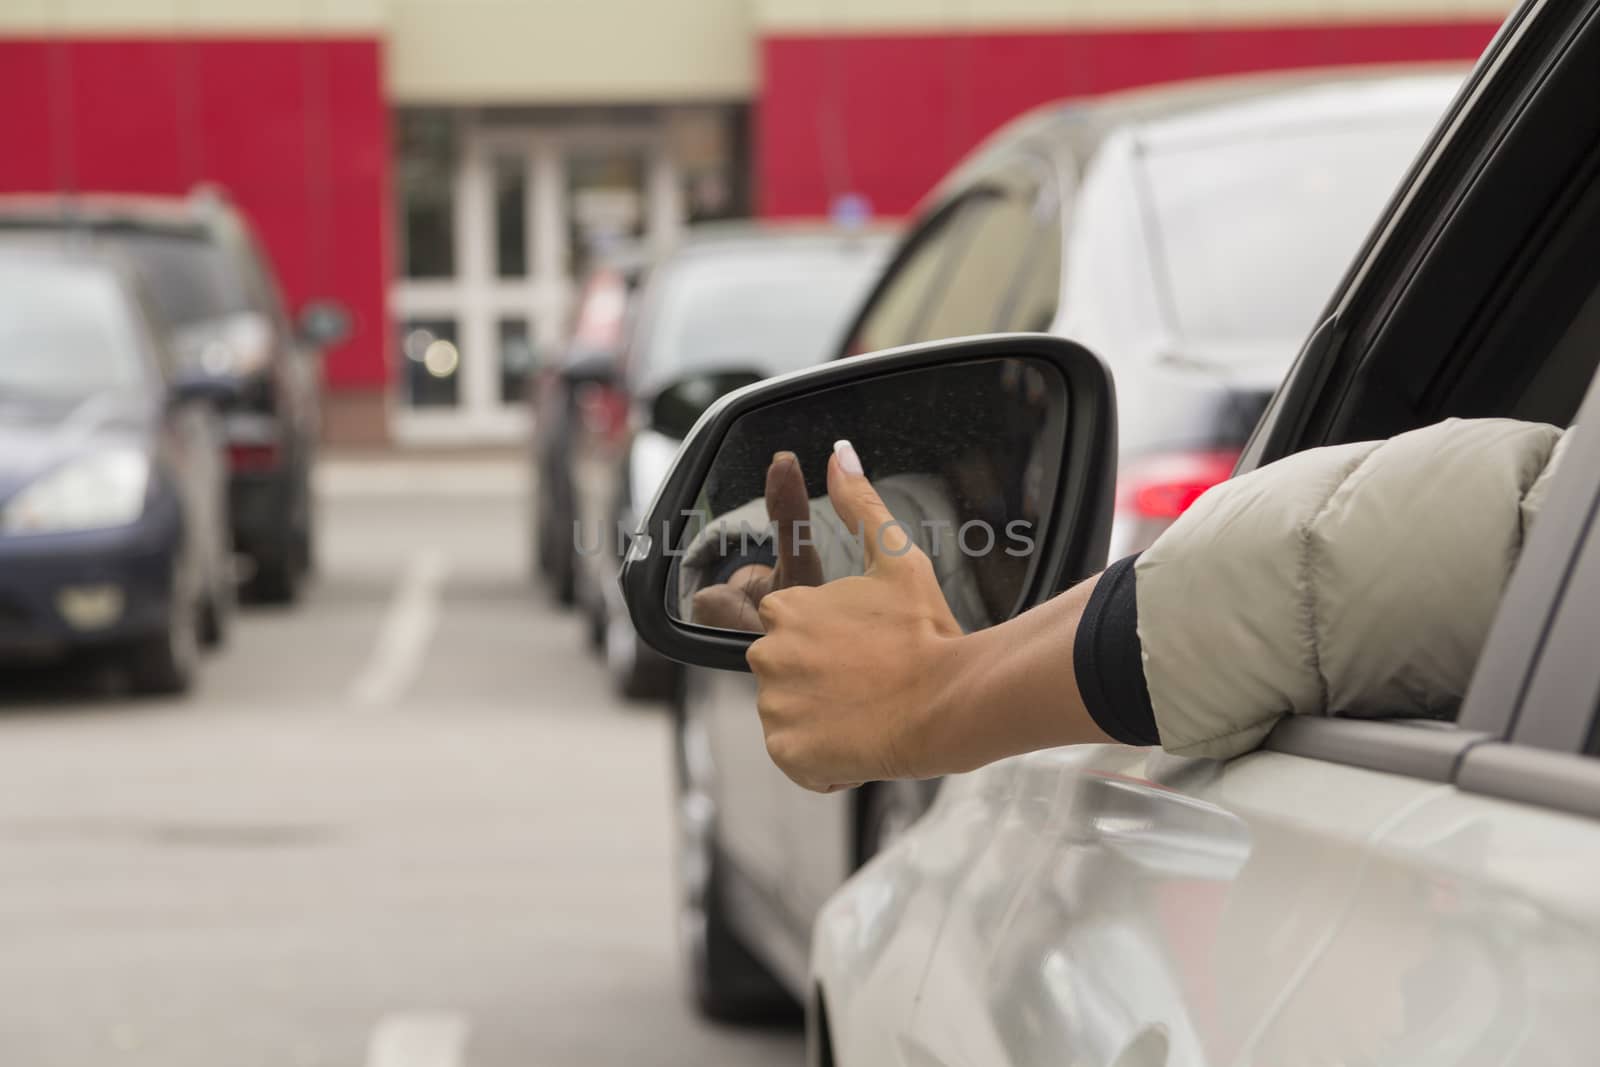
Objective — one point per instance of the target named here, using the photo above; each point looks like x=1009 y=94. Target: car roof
x=191 y=215
x=69 y=256
x=711 y=246
x=733 y=237
x=1238 y=106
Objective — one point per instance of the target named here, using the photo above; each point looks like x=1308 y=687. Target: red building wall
x=297 y=131
x=887 y=115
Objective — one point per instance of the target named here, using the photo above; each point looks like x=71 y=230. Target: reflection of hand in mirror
x=732 y=605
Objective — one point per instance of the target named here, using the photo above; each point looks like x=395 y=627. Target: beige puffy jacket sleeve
x=1357 y=580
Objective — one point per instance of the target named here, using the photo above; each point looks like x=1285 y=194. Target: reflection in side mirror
x=676 y=409
x=996 y=457
x=965 y=455
x=324 y=323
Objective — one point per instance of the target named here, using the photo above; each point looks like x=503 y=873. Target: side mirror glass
x=995 y=455
x=676 y=408
x=324 y=323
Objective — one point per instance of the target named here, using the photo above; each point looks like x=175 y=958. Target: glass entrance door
x=498 y=225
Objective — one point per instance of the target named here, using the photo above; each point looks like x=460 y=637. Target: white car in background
x=1362 y=891
x=1118 y=223
x=736 y=303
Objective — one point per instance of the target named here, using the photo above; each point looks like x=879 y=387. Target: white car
x=1074 y=221
x=1361 y=891
x=735 y=303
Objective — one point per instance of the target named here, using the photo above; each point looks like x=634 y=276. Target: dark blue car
x=215 y=289
x=113 y=520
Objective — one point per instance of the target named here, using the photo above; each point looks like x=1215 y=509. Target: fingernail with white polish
x=849 y=462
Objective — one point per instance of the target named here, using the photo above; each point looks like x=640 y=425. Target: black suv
x=215 y=287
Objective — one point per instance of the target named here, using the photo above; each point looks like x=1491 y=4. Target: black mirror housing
x=676 y=408
x=593 y=366
x=323 y=323
x=1071 y=539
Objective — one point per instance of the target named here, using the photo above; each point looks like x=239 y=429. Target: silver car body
x=1115 y=906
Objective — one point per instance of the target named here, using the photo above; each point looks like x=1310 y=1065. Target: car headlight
x=96 y=491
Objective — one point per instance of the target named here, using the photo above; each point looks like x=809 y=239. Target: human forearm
x=1007 y=690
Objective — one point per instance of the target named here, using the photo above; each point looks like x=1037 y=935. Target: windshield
x=771 y=311
x=1247 y=240
x=65 y=332
x=190 y=278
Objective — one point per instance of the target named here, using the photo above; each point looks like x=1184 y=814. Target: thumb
x=789 y=509
x=863 y=510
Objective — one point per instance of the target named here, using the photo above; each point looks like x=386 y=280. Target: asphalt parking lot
x=403 y=824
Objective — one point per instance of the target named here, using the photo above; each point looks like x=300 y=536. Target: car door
x=1360 y=892
x=1473 y=936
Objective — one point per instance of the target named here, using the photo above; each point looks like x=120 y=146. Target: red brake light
x=253 y=457
x=1164 y=486
x=604 y=410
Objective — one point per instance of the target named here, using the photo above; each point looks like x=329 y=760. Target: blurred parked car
x=217 y=291
x=1189 y=235
x=113 y=521
x=580 y=389
x=1383 y=891
x=735 y=304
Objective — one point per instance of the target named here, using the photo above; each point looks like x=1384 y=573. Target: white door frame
x=476 y=298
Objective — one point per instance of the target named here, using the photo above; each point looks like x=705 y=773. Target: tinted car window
x=1000 y=231
x=65 y=332
x=899 y=305
x=1033 y=302
x=256 y=268
x=190 y=278
x=770 y=311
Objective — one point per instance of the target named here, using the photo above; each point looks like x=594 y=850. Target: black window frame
x=1021 y=176
x=952 y=214
x=954 y=210
x=1049 y=239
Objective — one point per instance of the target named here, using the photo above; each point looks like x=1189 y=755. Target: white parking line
x=420 y=1039
x=407 y=628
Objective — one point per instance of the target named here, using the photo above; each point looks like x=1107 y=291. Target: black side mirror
x=594 y=366
x=997 y=455
x=677 y=407
x=323 y=323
